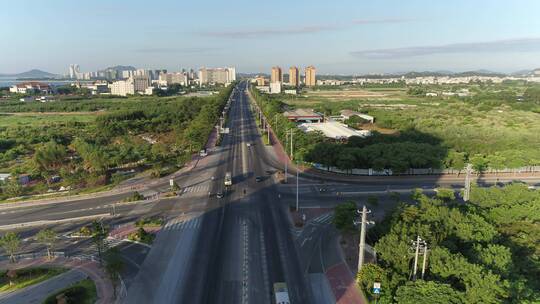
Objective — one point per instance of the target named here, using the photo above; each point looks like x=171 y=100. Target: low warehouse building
x=334 y=130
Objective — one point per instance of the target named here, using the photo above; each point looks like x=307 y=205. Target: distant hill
x=121 y=68
x=35 y=73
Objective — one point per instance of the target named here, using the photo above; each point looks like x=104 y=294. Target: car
x=203 y=153
x=248 y=144
x=219 y=195
x=258 y=179
x=322 y=190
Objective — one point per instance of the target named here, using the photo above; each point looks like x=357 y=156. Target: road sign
x=376 y=288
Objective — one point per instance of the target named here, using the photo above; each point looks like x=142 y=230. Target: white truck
x=281 y=293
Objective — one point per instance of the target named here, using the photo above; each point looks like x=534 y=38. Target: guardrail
x=421 y=171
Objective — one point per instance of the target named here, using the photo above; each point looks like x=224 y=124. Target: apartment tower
x=294 y=76
x=277 y=75
x=310 y=80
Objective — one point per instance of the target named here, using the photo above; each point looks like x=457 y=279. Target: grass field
x=43 y=119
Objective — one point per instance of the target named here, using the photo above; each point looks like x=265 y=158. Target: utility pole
x=362 y=244
x=424 y=261
x=420 y=247
x=467 y=191
x=417 y=243
x=268 y=129
x=286 y=160
x=292 y=157
x=297 y=206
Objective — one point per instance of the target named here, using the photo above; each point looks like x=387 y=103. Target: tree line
x=485 y=251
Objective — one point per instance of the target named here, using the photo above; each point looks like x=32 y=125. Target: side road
x=91 y=269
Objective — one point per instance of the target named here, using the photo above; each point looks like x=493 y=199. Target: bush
x=136 y=196
x=142 y=236
x=84 y=292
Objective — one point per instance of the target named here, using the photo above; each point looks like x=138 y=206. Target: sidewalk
x=343 y=285
x=91 y=269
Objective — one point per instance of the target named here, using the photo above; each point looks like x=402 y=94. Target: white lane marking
x=245 y=264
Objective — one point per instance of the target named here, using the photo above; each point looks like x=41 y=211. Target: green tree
x=427 y=292
x=11 y=243
x=445 y=194
x=114 y=264
x=49 y=157
x=47 y=237
x=344 y=216
x=99 y=234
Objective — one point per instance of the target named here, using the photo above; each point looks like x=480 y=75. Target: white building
x=75 y=71
x=275 y=87
x=346 y=114
x=216 y=75
x=263 y=89
x=122 y=87
x=334 y=130
x=292 y=92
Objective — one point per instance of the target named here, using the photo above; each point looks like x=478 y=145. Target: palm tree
x=47 y=237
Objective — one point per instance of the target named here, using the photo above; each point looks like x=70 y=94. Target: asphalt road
x=245 y=244
x=37 y=293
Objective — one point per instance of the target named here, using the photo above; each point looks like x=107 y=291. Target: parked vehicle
x=281 y=293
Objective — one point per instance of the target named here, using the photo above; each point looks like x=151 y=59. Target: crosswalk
x=195 y=189
x=302 y=189
x=323 y=219
x=178 y=224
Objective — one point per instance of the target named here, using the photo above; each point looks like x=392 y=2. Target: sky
x=337 y=37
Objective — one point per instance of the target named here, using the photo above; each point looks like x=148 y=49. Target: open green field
x=32 y=119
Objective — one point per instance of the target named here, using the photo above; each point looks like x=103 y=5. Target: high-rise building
x=141 y=82
x=74 y=71
x=294 y=76
x=217 y=75
x=277 y=75
x=310 y=78
x=260 y=80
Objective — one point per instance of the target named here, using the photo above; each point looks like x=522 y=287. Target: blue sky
x=350 y=37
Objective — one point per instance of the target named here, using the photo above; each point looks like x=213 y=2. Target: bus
x=281 y=293
x=228 y=179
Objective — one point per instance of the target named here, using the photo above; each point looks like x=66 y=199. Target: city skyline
x=345 y=39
